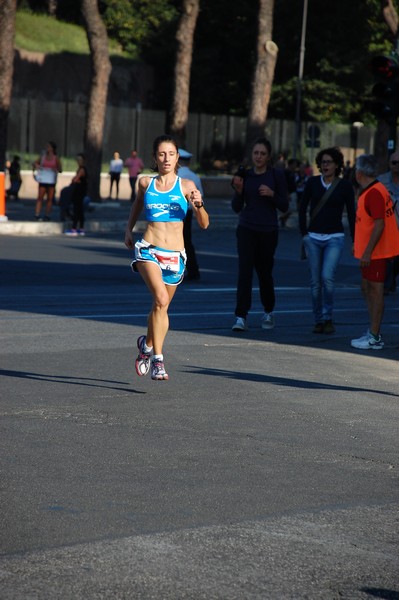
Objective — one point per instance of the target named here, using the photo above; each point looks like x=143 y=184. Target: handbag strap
x=324 y=199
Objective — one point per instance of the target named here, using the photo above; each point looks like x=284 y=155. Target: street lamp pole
x=299 y=80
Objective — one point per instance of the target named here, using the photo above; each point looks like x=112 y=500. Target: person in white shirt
x=115 y=170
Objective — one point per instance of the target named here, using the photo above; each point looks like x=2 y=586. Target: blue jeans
x=323 y=258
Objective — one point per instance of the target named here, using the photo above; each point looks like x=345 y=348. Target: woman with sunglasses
x=320 y=221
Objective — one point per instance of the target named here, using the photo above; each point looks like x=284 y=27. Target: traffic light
x=385 y=103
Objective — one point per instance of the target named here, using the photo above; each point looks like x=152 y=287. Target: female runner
x=160 y=257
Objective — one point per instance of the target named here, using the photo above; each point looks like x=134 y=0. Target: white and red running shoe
x=143 y=360
x=158 y=370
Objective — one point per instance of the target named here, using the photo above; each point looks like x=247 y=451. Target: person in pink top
x=134 y=166
x=47 y=167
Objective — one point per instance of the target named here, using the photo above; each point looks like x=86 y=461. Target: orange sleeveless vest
x=388 y=244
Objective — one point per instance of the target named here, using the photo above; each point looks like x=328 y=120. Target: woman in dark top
x=79 y=191
x=259 y=192
x=323 y=235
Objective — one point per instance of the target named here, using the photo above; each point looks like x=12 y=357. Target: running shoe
x=365 y=336
x=267 y=321
x=143 y=360
x=240 y=324
x=71 y=232
x=158 y=370
x=368 y=342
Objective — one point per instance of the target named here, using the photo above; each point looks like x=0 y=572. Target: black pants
x=132 y=181
x=115 y=177
x=78 y=208
x=192 y=264
x=255 y=251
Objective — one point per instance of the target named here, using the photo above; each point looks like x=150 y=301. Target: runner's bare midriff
x=165 y=235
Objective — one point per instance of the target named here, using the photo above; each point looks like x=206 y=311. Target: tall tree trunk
x=181 y=96
x=101 y=70
x=7 y=19
x=262 y=81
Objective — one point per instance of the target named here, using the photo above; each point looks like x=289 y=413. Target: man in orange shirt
x=376 y=240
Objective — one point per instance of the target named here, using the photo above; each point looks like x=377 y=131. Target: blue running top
x=170 y=206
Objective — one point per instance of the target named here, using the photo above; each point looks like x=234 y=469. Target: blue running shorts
x=171 y=262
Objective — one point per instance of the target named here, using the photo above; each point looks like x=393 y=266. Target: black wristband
x=199 y=205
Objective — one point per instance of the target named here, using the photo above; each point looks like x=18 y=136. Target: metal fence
x=214 y=140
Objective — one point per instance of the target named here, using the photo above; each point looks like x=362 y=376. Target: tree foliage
x=336 y=76
x=135 y=23
x=336 y=79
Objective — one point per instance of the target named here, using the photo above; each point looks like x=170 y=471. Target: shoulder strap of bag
x=324 y=199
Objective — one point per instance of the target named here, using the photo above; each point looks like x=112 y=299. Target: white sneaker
x=368 y=342
x=240 y=324
x=158 y=370
x=267 y=321
x=363 y=337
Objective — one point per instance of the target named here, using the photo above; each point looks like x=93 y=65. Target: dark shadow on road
x=381 y=593
x=283 y=381
x=81 y=381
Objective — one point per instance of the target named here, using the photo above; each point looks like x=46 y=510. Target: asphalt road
x=266 y=467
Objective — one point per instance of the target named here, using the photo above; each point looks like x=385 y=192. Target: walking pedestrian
x=259 y=193
x=159 y=255
x=327 y=195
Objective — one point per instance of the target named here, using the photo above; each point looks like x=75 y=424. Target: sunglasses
x=394 y=162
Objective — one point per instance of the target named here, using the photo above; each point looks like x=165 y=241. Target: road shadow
x=69 y=380
x=282 y=381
